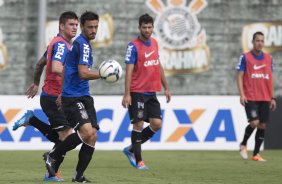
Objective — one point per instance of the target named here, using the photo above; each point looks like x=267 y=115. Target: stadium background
x=223 y=22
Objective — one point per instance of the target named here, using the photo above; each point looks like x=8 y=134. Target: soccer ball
x=110 y=71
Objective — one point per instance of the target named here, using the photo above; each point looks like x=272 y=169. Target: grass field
x=166 y=167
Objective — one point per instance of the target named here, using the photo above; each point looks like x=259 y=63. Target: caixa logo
x=183 y=126
x=223 y=118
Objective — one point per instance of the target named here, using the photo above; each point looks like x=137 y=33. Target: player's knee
x=156 y=125
x=85 y=134
x=64 y=134
x=138 y=126
x=94 y=135
x=254 y=124
x=261 y=126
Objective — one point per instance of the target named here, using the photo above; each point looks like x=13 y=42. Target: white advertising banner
x=189 y=123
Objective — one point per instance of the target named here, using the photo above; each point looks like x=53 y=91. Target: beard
x=146 y=36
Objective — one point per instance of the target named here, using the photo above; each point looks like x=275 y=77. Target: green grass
x=166 y=167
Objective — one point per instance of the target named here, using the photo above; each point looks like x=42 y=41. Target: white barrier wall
x=189 y=123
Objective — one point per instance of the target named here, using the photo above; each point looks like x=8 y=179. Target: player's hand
x=126 y=101
x=273 y=105
x=167 y=95
x=243 y=100
x=109 y=75
x=31 y=91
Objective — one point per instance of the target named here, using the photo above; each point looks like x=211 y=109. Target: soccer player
x=77 y=103
x=53 y=58
x=255 y=84
x=144 y=77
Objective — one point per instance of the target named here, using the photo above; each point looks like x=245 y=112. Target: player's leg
x=259 y=138
x=59 y=125
x=63 y=134
x=137 y=114
x=251 y=109
x=29 y=119
x=152 y=114
x=56 y=118
x=78 y=118
x=72 y=116
x=87 y=150
x=153 y=109
x=136 y=141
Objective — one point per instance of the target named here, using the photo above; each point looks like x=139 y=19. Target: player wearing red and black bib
x=54 y=59
x=255 y=85
x=77 y=103
x=144 y=77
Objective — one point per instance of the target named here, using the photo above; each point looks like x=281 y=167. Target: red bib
x=257 y=81
x=146 y=74
x=53 y=82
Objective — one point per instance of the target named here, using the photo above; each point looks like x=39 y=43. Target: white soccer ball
x=110 y=71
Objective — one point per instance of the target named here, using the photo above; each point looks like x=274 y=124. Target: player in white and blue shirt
x=80 y=54
x=77 y=103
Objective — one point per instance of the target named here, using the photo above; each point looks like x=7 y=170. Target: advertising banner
x=189 y=123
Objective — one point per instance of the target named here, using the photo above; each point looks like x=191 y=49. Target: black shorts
x=56 y=117
x=80 y=110
x=257 y=110
x=144 y=107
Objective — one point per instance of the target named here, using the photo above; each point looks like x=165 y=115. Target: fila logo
x=258 y=67
x=149 y=54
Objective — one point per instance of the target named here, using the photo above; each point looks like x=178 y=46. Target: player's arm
x=59 y=98
x=60 y=51
x=39 y=70
x=33 y=88
x=130 y=60
x=240 y=74
x=165 y=85
x=86 y=74
x=128 y=76
x=57 y=67
x=84 y=71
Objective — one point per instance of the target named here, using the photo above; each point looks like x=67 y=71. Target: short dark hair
x=257 y=33
x=67 y=15
x=146 y=18
x=88 y=15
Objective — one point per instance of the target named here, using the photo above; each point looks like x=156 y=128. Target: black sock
x=45 y=129
x=84 y=158
x=259 y=140
x=68 y=144
x=248 y=132
x=59 y=160
x=147 y=133
x=136 y=139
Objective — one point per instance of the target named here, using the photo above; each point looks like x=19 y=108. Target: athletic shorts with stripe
x=56 y=117
x=80 y=110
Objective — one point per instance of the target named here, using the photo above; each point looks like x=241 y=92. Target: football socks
x=84 y=158
x=68 y=144
x=248 y=132
x=45 y=129
x=147 y=134
x=259 y=140
x=136 y=139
